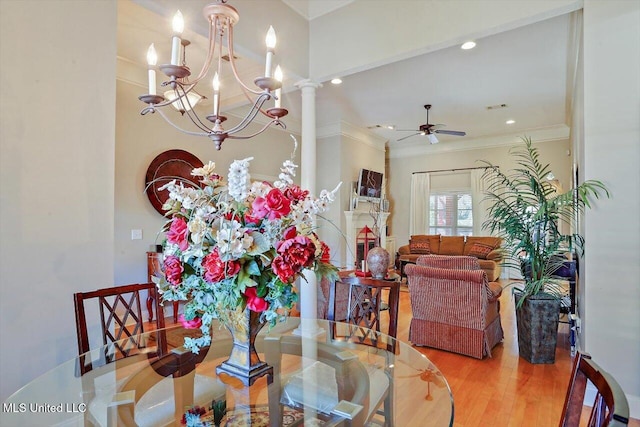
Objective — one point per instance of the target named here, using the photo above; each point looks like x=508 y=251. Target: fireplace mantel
x=355 y=221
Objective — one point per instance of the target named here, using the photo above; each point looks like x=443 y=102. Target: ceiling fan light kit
x=180 y=94
x=430 y=130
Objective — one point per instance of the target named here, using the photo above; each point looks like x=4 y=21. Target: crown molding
x=551 y=133
x=351 y=131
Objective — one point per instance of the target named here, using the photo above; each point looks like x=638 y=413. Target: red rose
x=295 y=193
x=254 y=302
x=283 y=269
x=274 y=206
x=190 y=324
x=216 y=270
x=177 y=233
x=173 y=270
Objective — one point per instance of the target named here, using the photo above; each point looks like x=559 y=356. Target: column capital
x=308 y=83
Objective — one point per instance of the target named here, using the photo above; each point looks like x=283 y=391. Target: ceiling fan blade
x=407 y=130
x=408 y=136
x=450 y=132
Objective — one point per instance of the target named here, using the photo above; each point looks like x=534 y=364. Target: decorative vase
x=537 y=323
x=243 y=362
x=378 y=262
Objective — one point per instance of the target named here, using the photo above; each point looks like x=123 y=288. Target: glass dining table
x=321 y=378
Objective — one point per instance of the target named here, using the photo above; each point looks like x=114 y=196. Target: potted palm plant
x=527 y=212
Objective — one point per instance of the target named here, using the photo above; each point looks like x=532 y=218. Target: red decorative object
x=365 y=239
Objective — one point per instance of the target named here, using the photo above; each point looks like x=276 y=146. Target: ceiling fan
x=430 y=130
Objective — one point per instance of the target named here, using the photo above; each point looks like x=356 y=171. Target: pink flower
x=216 y=270
x=173 y=270
x=177 y=233
x=190 y=324
x=274 y=206
x=254 y=302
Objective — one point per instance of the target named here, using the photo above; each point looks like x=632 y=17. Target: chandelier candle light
x=222 y=17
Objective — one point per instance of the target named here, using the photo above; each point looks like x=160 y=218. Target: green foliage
x=526 y=212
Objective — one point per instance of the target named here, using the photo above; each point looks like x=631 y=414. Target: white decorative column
x=308 y=288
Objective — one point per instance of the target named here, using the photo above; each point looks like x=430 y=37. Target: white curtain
x=479 y=205
x=419 y=209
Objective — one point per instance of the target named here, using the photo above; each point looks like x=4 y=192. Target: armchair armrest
x=404 y=250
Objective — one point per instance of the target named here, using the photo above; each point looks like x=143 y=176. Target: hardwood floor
x=504 y=390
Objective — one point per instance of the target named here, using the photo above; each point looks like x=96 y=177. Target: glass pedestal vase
x=243 y=362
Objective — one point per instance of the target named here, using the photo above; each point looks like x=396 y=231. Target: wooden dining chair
x=122 y=329
x=125 y=342
x=364 y=326
x=610 y=408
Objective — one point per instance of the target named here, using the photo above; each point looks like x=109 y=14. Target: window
x=450 y=214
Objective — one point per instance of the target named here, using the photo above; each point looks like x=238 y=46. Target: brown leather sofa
x=486 y=248
x=454 y=306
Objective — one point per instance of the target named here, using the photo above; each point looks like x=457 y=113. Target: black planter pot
x=537 y=322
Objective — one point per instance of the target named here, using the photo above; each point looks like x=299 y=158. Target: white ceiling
x=525 y=68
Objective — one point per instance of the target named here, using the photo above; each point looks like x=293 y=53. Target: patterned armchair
x=455 y=307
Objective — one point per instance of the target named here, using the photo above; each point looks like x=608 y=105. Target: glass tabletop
x=323 y=375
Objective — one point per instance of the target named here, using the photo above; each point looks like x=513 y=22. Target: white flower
x=232 y=240
x=288 y=172
x=239 y=179
x=206 y=170
x=198 y=228
x=259 y=189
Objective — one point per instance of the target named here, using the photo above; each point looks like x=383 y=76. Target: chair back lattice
x=364 y=305
x=121 y=323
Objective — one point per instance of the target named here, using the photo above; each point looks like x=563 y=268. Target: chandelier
x=181 y=92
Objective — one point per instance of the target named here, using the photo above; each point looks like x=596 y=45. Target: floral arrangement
x=239 y=245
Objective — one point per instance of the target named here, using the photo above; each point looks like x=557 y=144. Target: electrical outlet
x=136 y=234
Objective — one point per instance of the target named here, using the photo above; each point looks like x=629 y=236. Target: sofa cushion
x=451 y=245
x=494 y=242
x=480 y=250
x=433 y=239
x=420 y=247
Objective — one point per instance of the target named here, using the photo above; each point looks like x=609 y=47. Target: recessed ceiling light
x=336 y=81
x=390 y=127
x=468 y=45
x=510 y=122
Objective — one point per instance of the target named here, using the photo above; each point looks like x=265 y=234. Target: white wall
x=612 y=153
x=57 y=164
x=553 y=152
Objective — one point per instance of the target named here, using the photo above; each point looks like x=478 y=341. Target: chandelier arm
x=181 y=96
x=195 y=119
x=251 y=115
x=205 y=131
x=233 y=65
x=212 y=47
x=276 y=122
